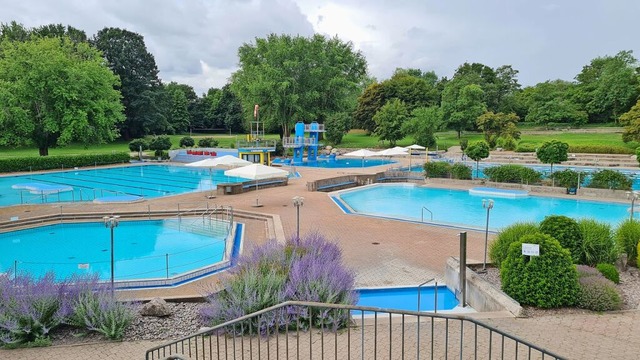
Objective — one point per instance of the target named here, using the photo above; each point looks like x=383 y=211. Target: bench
x=253 y=185
x=340 y=185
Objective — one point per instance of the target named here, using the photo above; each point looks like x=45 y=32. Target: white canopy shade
x=226 y=160
x=395 y=151
x=361 y=153
x=257 y=172
x=415 y=147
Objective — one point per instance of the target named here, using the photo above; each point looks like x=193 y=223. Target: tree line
x=99 y=88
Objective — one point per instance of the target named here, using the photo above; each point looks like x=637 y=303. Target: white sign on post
x=531 y=249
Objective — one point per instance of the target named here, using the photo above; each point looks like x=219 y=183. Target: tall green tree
x=553 y=152
x=127 y=56
x=297 y=78
x=229 y=112
x=466 y=109
x=498 y=125
x=608 y=86
x=371 y=100
x=53 y=92
x=389 y=121
x=631 y=122
x=423 y=125
x=552 y=102
x=477 y=151
x=179 y=117
x=336 y=126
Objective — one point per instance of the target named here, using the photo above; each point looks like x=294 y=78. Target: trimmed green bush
x=526 y=148
x=137 y=144
x=627 y=235
x=600 y=149
x=507 y=143
x=610 y=179
x=207 y=142
x=499 y=247
x=437 y=169
x=596 y=292
x=610 y=272
x=598 y=245
x=187 y=141
x=566 y=231
x=568 y=178
x=37 y=163
x=159 y=144
x=513 y=173
x=547 y=281
x=460 y=171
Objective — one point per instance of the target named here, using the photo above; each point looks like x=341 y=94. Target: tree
x=53 y=92
x=389 y=121
x=477 y=151
x=179 y=117
x=551 y=102
x=466 y=109
x=371 y=100
x=552 y=152
x=309 y=78
x=336 y=125
x=423 y=124
x=608 y=86
x=127 y=56
x=229 y=113
x=631 y=122
x=498 y=125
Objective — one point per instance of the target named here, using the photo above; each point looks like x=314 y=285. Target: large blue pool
x=146 y=181
x=463 y=209
x=142 y=249
x=406 y=298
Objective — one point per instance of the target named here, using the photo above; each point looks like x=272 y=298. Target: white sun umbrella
x=225 y=161
x=362 y=153
x=394 y=151
x=413 y=147
x=257 y=172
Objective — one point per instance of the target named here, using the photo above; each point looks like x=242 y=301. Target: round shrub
x=437 y=169
x=598 y=245
x=137 y=144
x=546 y=281
x=159 y=144
x=187 y=141
x=507 y=143
x=596 y=293
x=610 y=179
x=461 y=171
x=566 y=231
x=627 y=235
x=609 y=271
x=207 y=142
x=513 y=173
x=499 y=247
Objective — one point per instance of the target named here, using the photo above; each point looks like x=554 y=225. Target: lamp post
x=298 y=201
x=111 y=222
x=486 y=204
x=633 y=195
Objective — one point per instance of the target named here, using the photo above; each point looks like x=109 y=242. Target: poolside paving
x=382 y=252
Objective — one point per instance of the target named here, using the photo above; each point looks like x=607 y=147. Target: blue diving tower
x=298 y=142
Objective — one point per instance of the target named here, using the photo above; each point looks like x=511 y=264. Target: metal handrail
x=228 y=340
x=422 y=217
x=435 y=300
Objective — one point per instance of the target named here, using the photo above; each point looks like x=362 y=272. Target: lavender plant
x=307 y=269
x=98 y=311
x=30 y=308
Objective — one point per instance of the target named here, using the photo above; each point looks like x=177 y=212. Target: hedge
x=37 y=163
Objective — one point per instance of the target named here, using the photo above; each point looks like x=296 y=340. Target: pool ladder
x=435 y=294
x=422 y=216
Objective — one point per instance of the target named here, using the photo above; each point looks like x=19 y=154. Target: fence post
x=167 y=264
x=463 y=268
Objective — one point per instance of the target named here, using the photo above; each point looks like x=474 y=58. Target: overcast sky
x=195 y=41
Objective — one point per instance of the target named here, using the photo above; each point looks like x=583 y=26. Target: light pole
x=111 y=222
x=486 y=204
x=298 y=201
x=633 y=195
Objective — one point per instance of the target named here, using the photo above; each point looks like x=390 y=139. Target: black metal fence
x=306 y=330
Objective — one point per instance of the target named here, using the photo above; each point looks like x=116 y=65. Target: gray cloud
x=196 y=41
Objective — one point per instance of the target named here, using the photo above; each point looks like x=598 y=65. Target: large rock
x=156 y=307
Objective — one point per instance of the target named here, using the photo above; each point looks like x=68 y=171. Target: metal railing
x=422 y=216
x=435 y=293
x=307 y=330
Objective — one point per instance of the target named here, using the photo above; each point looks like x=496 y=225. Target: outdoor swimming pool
x=150 y=249
x=406 y=298
x=461 y=209
x=338 y=163
x=146 y=181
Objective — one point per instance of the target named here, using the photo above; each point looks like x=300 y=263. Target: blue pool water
x=340 y=163
x=459 y=208
x=147 y=181
x=140 y=250
x=406 y=298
